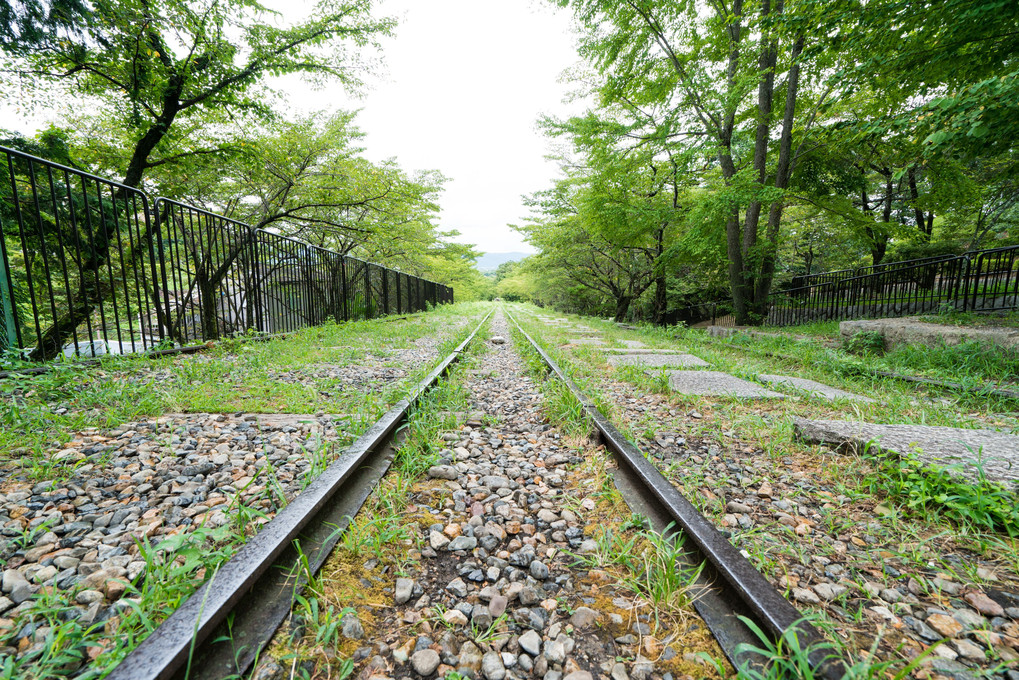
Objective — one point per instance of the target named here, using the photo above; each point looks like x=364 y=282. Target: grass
x=788 y=658
x=943 y=493
x=651 y=566
x=949 y=315
x=383 y=533
x=174 y=569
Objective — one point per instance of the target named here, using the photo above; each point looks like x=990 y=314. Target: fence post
x=399 y=302
x=367 y=291
x=962 y=276
x=343 y=280
x=976 y=281
x=9 y=335
x=385 y=292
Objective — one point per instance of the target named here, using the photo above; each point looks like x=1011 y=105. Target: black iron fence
x=977 y=281
x=89 y=266
x=980 y=281
x=844 y=274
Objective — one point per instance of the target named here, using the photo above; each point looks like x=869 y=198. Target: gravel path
x=492 y=590
x=874 y=575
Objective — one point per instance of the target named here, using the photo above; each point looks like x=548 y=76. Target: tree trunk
x=765 y=97
x=622 y=307
x=661 y=303
x=914 y=196
x=783 y=172
x=733 y=233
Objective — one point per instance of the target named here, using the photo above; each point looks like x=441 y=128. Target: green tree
x=160 y=65
x=704 y=61
x=163 y=68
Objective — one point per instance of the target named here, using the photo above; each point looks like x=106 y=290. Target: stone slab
x=617 y=350
x=814 y=388
x=588 y=341
x=908 y=331
x=718 y=384
x=932 y=444
x=633 y=344
x=658 y=360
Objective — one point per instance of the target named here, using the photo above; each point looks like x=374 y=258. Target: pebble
x=827 y=540
x=530 y=642
x=492 y=666
x=425 y=662
x=404 y=589
x=944 y=625
x=984 y=604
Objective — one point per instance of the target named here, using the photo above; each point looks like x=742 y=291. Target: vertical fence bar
x=10 y=338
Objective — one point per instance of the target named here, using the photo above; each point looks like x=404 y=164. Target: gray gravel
x=842 y=554
x=143 y=481
x=147 y=480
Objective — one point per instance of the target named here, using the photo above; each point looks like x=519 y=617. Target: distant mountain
x=489 y=262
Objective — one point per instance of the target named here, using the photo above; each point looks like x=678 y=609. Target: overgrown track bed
x=883 y=555
x=118 y=499
x=497 y=548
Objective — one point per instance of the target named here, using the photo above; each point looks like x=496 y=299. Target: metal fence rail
x=843 y=274
x=980 y=281
x=89 y=266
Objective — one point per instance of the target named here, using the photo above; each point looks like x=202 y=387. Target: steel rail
x=222 y=627
x=728 y=586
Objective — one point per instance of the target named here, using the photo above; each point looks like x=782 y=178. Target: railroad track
x=222 y=628
x=729 y=586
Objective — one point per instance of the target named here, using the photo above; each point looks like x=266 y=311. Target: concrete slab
x=617 y=350
x=633 y=344
x=814 y=388
x=588 y=341
x=718 y=384
x=909 y=331
x=997 y=452
x=658 y=360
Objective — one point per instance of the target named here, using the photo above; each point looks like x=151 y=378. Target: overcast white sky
x=463 y=86
x=467 y=81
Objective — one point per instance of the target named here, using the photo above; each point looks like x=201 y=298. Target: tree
x=704 y=60
x=161 y=64
x=163 y=67
x=584 y=230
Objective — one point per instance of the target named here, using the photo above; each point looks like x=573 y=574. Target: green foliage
x=168 y=73
x=943 y=491
x=865 y=342
x=788 y=658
